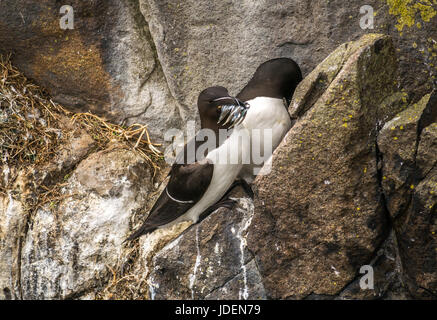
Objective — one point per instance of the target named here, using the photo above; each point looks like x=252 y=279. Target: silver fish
x=233 y=114
x=242 y=117
x=226 y=109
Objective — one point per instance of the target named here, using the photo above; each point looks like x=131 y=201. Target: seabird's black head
x=219 y=110
x=276 y=78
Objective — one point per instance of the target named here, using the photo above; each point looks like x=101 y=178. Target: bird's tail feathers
x=145 y=229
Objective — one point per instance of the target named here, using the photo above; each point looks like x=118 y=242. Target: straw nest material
x=32 y=126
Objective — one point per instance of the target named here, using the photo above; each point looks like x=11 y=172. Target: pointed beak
x=233 y=112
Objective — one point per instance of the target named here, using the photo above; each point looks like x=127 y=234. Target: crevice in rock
x=398 y=260
x=426 y=174
x=388 y=224
x=141 y=20
x=428 y=116
x=147 y=78
x=373 y=262
x=77 y=295
x=143 y=28
x=315 y=296
x=318 y=87
x=258 y=269
x=430 y=292
x=140 y=113
x=383 y=200
x=379 y=176
x=230 y=278
x=295 y=43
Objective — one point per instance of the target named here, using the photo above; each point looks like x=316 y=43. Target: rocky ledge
x=352 y=184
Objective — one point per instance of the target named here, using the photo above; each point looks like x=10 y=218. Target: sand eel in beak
x=199 y=185
x=234 y=113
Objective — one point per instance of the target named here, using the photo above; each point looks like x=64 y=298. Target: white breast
x=264 y=113
x=224 y=175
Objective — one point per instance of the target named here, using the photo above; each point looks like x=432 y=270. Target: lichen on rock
x=406 y=11
x=352 y=183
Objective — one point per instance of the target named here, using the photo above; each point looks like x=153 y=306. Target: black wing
x=187 y=184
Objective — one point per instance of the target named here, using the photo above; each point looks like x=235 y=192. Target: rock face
x=68 y=249
x=106 y=64
x=220 y=38
x=409 y=155
x=352 y=184
x=12 y=225
x=331 y=220
x=147 y=60
x=18 y=203
x=69 y=246
x=209 y=261
x=320 y=214
x=399 y=142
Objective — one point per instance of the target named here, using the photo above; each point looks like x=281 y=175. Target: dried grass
x=126 y=282
x=32 y=130
x=29 y=120
x=31 y=126
x=135 y=137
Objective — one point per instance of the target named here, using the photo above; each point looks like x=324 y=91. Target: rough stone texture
x=209 y=260
x=67 y=248
x=70 y=247
x=409 y=153
x=201 y=43
x=309 y=240
x=232 y=289
x=331 y=220
x=12 y=225
x=106 y=64
x=427 y=150
x=18 y=203
x=388 y=283
x=417 y=239
x=398 y=144
x=335 y=200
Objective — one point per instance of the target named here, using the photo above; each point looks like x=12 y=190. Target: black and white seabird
x=191 y=188
x=269 y=94
x=197 y=186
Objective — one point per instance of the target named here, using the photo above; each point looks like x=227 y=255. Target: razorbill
x=198 y=186
x=196 y=183
x=265 y=98
x=269 y=94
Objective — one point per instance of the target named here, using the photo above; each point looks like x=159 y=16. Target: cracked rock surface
x=147 y=60
x=324 y=210
x=330 y=220
x=353 y=183
x=66 y=248
x=408 y=144
x=210 y=260
x=106 y=64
